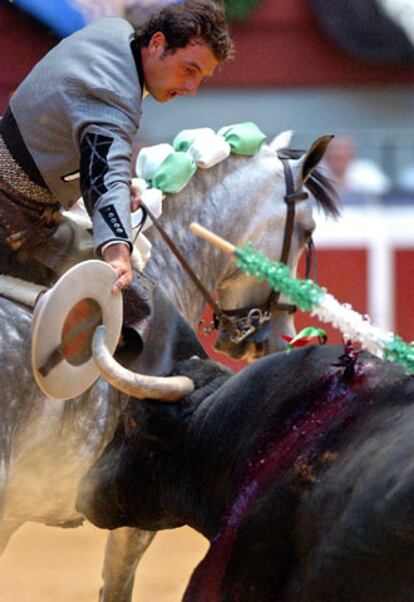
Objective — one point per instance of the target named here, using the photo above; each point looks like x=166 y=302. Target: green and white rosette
x=316 y=300
x=166 y=169
x=169 y=168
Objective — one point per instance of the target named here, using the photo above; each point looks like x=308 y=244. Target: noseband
x=245 y=321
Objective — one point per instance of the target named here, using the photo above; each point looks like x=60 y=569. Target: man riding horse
x=70 y=125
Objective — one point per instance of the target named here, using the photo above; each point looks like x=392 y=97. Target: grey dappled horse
x=47 y=446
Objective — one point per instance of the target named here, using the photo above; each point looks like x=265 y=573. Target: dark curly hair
x=181 y=22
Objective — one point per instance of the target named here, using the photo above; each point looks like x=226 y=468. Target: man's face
x=168 y=74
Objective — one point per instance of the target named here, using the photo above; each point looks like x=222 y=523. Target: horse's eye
x=308 y=235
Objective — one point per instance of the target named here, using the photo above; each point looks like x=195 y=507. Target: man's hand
x=118 y=256
x=136 y=196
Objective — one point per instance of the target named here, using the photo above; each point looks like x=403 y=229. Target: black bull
x=299 y=470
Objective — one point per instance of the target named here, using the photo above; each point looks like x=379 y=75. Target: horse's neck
x=165 y=269
x=207 y=201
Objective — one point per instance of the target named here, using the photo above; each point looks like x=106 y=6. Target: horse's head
x=280 y=225
x=258 y=199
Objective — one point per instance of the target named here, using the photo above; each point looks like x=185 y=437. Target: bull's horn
x=162 y=388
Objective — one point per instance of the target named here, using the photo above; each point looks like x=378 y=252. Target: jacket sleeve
x=105 y=172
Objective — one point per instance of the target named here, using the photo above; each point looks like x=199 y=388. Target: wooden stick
x=212 y=238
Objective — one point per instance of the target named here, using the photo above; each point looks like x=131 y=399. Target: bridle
x=243 y=322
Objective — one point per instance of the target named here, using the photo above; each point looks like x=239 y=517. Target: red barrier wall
x=404 y=292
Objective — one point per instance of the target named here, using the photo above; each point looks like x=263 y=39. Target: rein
x=243 y=322
x=184 y=263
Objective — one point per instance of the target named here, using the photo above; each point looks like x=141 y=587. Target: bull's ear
x=155 y=421
x=311 y=159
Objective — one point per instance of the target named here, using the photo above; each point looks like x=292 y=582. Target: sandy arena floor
x=46 y=564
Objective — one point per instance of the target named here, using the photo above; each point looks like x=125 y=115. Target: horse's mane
x=321 y=187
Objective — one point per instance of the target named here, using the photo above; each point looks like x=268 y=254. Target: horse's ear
x=282 y=140
x=311 y=158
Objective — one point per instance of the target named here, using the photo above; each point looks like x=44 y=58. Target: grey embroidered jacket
x=78 y=112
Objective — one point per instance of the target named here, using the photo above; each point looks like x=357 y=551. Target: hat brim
x=89 y=282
